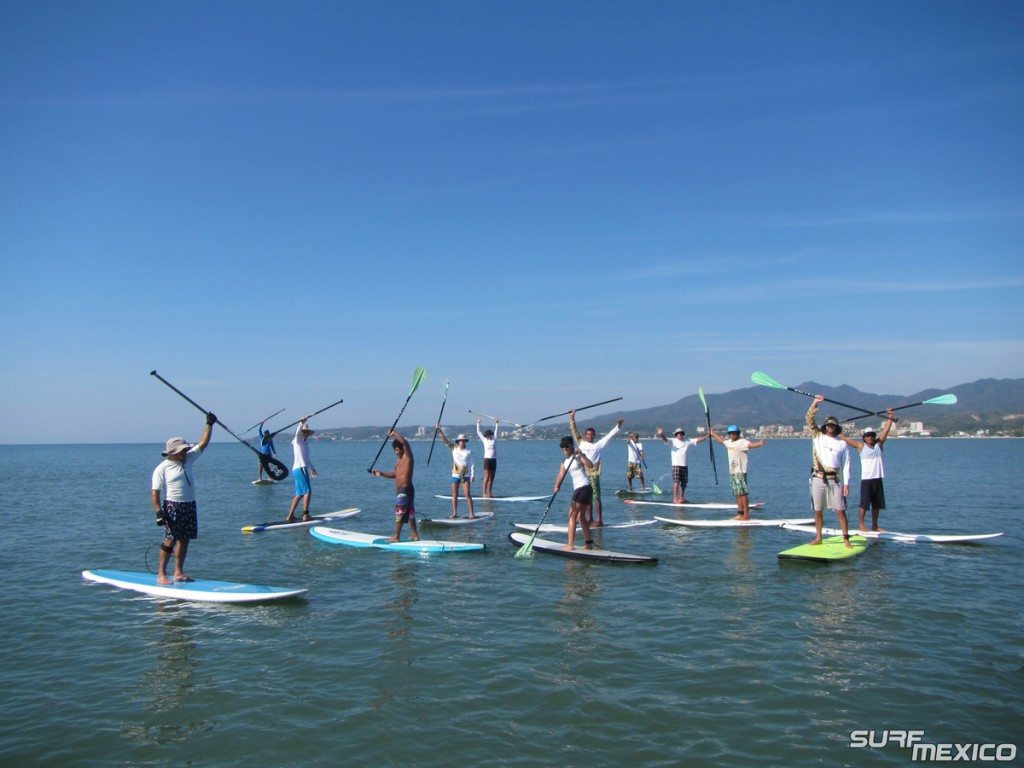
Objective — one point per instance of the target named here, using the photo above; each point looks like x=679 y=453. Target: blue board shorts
x=301 y=476
x=182 y=521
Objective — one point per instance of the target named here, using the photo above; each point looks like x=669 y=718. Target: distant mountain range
x=995 y=406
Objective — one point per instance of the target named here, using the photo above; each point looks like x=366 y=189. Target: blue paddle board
x=202 y=590
x=372 y=541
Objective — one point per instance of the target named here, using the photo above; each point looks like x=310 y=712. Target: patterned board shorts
x=633 y=470
x=595 y=484
x=680 y=475
x=738 y=483
x=182 y=523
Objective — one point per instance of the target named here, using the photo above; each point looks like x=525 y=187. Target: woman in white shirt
x=462 y=470
x=489 y=438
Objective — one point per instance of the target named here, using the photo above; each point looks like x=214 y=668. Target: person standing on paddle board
x=829 y=457
x=489 y=438
x=635 y=460
x=174 y=501
x=462 y=470
x=303 y=471
x=593 y=451
x=582 y=493
x=405 y=494
x=872 y=470
x=738 y=448
x=266 y=446
x=680 y=471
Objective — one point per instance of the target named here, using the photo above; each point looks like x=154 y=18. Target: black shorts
x=491 y=465
x=872 y=494
x=584 y=495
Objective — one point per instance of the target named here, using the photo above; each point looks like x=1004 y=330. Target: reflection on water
x=398 y=622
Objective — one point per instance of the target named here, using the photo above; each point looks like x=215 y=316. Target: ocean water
x=719 y=655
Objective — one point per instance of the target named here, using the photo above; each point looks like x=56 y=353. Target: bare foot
x=182 y=577
x=452 y=517
x=472 y=517
x=416 y=538
x=816 y=541
x=306 y=517
x=161 y=579
x=290 y=519
x=741 y=517
x=863 y=528
x=879 y=530
x=393 y=539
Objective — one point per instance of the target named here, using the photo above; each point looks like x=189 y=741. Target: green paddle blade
x=700 y=394
x=941 y=400
x=766 y=381
x=417 y=377
x=656 y=489
x=527 y=549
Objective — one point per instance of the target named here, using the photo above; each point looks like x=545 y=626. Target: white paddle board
x=203 y=590
x=478 y=499
x=372 y=541
x=693 y=505
x=636 y=492
x=555 y=528
x=281 y=525
x=578 y=553
x=935 y=538
x=478 y=518
x=264 y=481
x=753 y=523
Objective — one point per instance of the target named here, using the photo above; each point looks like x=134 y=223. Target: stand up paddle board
x=753 y=523
x=693 y=505
x=555 y=528
x=478 y=499
x=830 y=550
x=478 y=518
x=372 y=541
x=637 y=492
x=264 y=481
x=935 y=538
x=202 y=590
x=281 y=525
x=597 y=555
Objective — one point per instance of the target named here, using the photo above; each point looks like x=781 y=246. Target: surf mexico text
x=922 y=750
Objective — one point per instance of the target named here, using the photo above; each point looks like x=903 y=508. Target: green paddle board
x=830 y=550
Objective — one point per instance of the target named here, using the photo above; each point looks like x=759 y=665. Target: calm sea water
x=719 y=655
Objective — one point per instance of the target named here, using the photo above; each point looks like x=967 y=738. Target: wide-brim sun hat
x=174 y=445
x=462 y=437
x=679 y=431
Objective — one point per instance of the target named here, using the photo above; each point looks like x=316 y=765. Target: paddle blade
x=274 y=468
x=527 y=549
x=941 y=400
x=700 y=394
x=765 y=380
x=417 y=378
x=656 y=489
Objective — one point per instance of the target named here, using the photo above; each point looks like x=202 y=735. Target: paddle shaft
x=583 y=408
x=439 y=415
x=289 y=426
x=417 y=378
x=262 y=421
x=711 y=448
x=495 y=418
x=528 y=546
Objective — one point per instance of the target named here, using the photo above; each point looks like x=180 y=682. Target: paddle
x=261 y=421
x=583 y=408
x=495 y=418
x=767 y=381
x=527 y=549
x=274 y=468
x=707 y=417
x=417 y=377
x=949 y=399
x=314 y=413
x=434 y=438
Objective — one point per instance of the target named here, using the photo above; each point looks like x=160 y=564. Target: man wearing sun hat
x=174 y=501
x=872 y=470
x=737 y=447
x=829 y=457
x=303 y=470
x=680 y=471
x=462 y=470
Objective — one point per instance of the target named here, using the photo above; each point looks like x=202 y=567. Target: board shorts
x=738 y=483
x=491 y=465
x=584 y=495
x=595 y=485
x=872 y=494
x=182 y=523
x=680 y=475
x=405 y=508
x=633 y=470
x=827 y=492
x=301 y=477
x=457 y=479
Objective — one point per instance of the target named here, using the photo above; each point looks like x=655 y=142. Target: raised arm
x=572 y=427
x=444 y=438
x=659 y=432
x=890 y=420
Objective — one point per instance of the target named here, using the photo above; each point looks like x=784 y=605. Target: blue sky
x=279 y=204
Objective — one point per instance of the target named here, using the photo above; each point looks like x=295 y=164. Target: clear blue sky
x=277 y=204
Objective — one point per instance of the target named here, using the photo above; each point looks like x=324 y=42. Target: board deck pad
x=281 y=525
x=201 y=590
x=729 y=523
x=373 y=541
x=830 y=550
x=934 y=538
x=596 y=555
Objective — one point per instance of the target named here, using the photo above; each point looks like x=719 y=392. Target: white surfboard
x=579 y=553
x=934 y=538
x=478 y=499
x=373 y=541
x=753 y=523
x=264 y=481
x=202 y=590
x=556 y=528
x=281 y=525
x=480 y=517
x=693 y=505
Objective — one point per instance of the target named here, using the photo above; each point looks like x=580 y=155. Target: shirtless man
x=405 y=494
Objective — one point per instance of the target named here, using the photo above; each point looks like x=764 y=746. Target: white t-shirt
x=174 y=479
x=490 y=452
x=300 y=447
x=634 y=452
x=462 y=462
x=593 y=450
x=679 y=450
x=833 y=454
x=577 y=472
x=871 y=465
x=738 y=455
